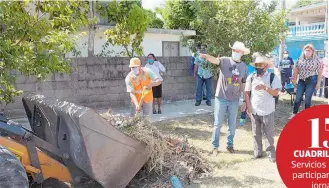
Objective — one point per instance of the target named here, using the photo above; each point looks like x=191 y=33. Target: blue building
x=307 y=24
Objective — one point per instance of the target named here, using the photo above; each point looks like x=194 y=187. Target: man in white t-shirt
x=261 y=88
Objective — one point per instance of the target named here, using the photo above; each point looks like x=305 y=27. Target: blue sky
x=151 y=4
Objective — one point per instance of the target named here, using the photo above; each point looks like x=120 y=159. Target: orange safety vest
x=139 y=84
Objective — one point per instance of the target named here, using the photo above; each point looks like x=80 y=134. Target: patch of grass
x=239 y=169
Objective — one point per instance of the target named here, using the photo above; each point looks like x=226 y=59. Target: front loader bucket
x=86 y=140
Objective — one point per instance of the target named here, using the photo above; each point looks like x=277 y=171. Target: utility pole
x=283 y=40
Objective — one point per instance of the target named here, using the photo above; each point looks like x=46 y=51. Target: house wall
x=295 y=48
x=99 y=83
x=152 y=43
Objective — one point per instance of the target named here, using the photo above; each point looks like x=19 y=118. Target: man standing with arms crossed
x=231 y=81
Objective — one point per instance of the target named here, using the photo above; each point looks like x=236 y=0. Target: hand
x=260 y=87
x=294 y=82
x=248 y=110
x=194 y=75
x=317 y=87
x=138 y=108
x=149 y=86
x=204 y=56
x=243 y=107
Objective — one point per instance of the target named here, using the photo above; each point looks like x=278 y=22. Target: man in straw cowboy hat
x=232 y=76
x=139 y=82
x=261 y=88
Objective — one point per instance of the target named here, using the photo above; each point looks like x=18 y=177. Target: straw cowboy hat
x=134 y=62
x=240 y=46
x=262 y=59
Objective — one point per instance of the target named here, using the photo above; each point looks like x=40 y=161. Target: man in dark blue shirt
x=285 y=66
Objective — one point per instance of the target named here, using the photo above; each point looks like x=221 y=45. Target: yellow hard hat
x=135 y=62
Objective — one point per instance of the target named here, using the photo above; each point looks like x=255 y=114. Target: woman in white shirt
x=158 y=69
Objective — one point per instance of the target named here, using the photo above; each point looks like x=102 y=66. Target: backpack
x=271 y=80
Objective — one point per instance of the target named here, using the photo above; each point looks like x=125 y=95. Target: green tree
x=220 y=23
x=131 y=22
x=154 y=21
x=177 y=14
x=245 y=21
x=302 y=3
x=34 y=38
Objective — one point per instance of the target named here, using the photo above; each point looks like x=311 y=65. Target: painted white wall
x=152 y=43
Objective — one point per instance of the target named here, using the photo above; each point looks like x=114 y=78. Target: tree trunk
x=92 y=28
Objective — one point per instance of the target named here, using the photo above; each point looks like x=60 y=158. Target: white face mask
x=236 y=56
x=135 y=70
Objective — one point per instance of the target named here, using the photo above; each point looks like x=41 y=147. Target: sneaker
x=214 y=152
x=292 y=116
x=257 y=157
x=154 y=112
x=273 y=160
x=208 y=103
x=197 y=103
x=159 y=111
x=230 y=149
x=204 y=98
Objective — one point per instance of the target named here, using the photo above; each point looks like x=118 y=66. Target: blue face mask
x=150 y=61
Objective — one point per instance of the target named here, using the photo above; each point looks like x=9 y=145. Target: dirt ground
x=232 y=170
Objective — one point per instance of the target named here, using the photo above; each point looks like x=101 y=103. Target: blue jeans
x=305 y=86
x=321 y=88
x=221 y=107
x=204 y=91
x=199 y=87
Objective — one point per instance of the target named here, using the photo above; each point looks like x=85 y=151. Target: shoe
x=154 y=112
x=273 y=160
x=214 y=152
x=159 y=111
x=208 y=103
x=204 y=98
x=292 y=116
x=257 y=157
x=197 y=103
x=230 y=149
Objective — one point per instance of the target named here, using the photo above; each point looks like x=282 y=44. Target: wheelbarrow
x=290 y=89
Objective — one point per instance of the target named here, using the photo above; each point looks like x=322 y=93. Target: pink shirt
x=325 y=67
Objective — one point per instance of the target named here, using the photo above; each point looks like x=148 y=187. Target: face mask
x=259 y=71
x=135 y=70
x=150 y=61
x=308 y=54
x=236 y=56
x=285 y=55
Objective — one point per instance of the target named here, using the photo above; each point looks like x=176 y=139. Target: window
x=170 y=49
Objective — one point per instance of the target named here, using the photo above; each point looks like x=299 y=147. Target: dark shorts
x=157 y=91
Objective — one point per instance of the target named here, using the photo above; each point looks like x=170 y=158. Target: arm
x=210 y=59
x=274 y=89
x=195 y=69
x=154 y=83
x=295 y=73
x=161 y=67
x=155 y=80
x=131 y=91
x=133 y=98
x=247 y=96
x=319 y=76
x=292 y=63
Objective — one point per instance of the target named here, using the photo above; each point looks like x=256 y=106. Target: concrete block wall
x=98 y=83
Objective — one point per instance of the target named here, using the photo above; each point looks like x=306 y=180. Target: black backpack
x=271 y=80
